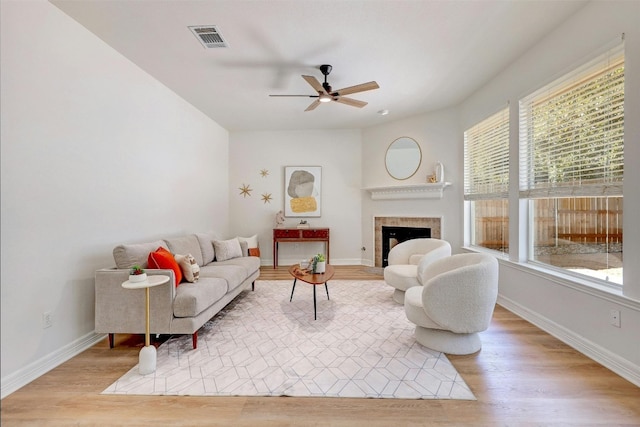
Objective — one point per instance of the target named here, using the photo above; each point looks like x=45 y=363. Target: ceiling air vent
x=209 y=36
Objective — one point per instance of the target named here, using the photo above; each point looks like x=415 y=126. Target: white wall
x=578 y=314
x=95 y=153
x=336 y=151
x=439 y=138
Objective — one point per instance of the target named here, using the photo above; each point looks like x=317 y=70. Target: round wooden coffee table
x=312 y=279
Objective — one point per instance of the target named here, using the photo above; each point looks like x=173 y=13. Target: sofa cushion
x=250 y=264
x=126 y=256
x=192 y=298
x=227 y=249
x=233 y=274
x=185 y=245
x=162 y=258
x=206 y=246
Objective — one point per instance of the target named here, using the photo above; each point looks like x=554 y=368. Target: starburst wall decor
x=266 y=197
x=245 y=190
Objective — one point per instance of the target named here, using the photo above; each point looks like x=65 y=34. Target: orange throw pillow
x=163 y=259
x=254 y=252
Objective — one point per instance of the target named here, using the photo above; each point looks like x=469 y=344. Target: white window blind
x=486 y=158
x=571 y=133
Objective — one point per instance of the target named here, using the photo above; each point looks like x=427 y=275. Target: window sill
x=600 y=289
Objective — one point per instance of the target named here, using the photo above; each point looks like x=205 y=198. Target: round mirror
x=403 y=158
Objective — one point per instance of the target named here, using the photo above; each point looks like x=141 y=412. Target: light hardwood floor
x=521 y=377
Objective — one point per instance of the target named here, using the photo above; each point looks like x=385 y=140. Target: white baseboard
x=24 y=376
x=620 y=366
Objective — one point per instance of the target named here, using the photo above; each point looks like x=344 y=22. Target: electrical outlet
x=47 y=320
x=614 y=318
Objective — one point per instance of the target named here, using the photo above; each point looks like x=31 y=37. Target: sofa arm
x=120 y=310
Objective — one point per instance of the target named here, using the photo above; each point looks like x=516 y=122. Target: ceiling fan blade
x=350 y=101
x=313 y=105
x=305 y=96
x=357 y=88
x=315 y=84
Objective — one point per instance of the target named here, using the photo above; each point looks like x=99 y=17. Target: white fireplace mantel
x=409 y=191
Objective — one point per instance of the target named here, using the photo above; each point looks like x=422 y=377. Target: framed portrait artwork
x=302 y=191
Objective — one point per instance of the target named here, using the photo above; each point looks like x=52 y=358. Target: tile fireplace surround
x=434 y=223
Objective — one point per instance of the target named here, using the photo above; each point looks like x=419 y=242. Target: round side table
x=147 y=357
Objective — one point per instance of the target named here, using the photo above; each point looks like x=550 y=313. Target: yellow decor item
x=303 y=204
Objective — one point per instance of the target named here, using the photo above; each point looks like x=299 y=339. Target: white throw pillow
x=252 y=242
x=227 y=249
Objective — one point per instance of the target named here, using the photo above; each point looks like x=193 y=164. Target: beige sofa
x=181 y=309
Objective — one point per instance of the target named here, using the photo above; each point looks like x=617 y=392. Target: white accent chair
x=455 y=303
x=408 y=258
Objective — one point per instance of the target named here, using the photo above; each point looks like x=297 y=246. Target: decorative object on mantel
x=409 y=191
x=137 y=274
x=432 y=178
x=279 y=219
x=303 y=224
x=439 y=172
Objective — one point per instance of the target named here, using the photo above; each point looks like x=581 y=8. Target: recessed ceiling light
x=383 y=112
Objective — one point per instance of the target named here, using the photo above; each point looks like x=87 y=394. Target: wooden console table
x=299 y=235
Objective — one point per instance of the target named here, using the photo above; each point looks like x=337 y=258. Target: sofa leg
x=194 y=339
x=111 y=340
x=253 y=285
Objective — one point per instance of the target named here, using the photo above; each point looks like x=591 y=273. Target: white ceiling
x=425 y=55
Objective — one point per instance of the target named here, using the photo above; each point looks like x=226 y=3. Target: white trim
x=24 y=376
x=604 y=292
x=606 y=358
x=409 y=191
x=592 y=286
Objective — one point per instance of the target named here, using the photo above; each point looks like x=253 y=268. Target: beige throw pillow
x=189 y=266
x=227 y=249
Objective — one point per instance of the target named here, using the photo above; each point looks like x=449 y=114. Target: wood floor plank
x=521 y=377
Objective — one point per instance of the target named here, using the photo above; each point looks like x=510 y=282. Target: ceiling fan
x=327 y=94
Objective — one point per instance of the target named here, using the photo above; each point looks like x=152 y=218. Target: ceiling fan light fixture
x=324 y=98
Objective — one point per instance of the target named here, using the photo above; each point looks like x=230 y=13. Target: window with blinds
x=571 y=133
x=486 y=158
x=486 y=181
x=571 y=166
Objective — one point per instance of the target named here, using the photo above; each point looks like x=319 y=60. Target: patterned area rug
x=362 y=345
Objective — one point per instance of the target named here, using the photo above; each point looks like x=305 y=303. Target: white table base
x=147 y=360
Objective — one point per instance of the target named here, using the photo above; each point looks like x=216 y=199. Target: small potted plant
x=137 y=274
x=319 y=264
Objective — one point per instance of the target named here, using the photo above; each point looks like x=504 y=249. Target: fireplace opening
x=391 y=236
